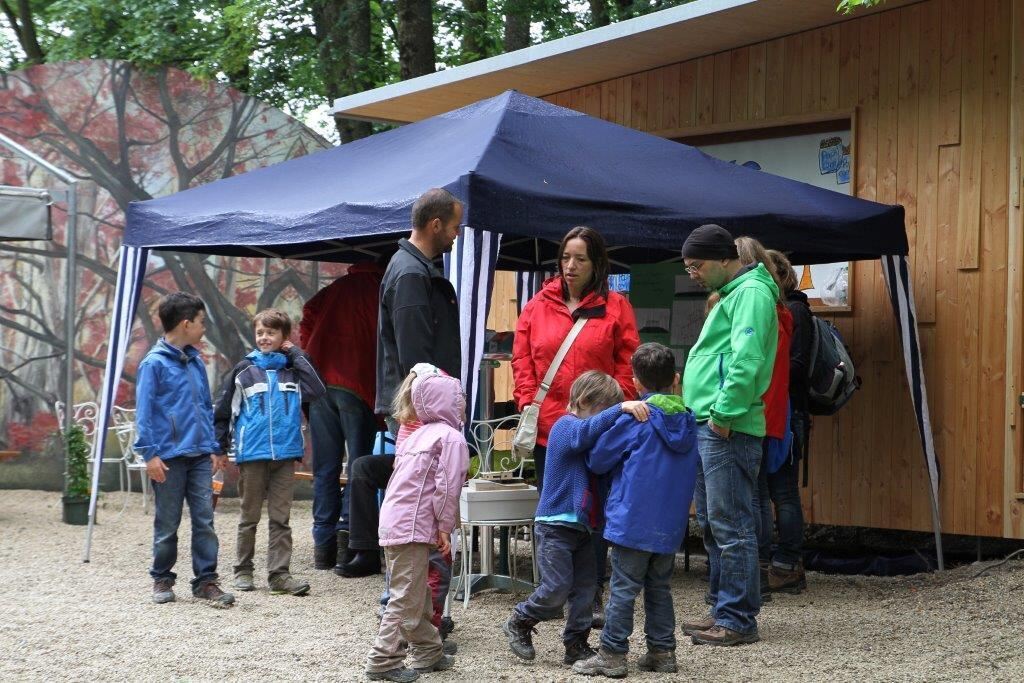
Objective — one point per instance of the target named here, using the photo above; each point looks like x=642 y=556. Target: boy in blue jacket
x=654 y=468
x=567 y=514
x=174 y=427
x=260 y=410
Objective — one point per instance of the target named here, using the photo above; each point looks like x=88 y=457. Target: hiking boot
x=519 y=630
x=782 y=580
x=576 y=651
x=163 y=591
x=603 y=663
x=210 y=591
x=325 y=556
x=766 y=593
x=720 y=635
x=398 y=675
x=703 y=624
x=345 y=554
x=661 y=661
x=449 y=647
x=365 y=563
x=443 y=663
x=286 y=583
x=598 y=621
x=447 y=626
x=243 y=582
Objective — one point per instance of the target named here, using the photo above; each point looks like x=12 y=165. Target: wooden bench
x=308 y=476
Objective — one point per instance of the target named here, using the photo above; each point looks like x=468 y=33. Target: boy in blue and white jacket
x=568 y=513
x=260 y=410
x=174 y=428
x=653 y=464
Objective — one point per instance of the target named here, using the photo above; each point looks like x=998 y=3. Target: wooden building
x=933 y=93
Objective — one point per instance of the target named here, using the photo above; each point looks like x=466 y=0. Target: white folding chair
x=124 y=430
x=86 y=416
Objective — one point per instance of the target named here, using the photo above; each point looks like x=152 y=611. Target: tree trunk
x=626 y=10
x=599 y=13
x=359 y=74
x=517 y=24
x=25 y=29
x=343 y=42
x=474 y=30
x=415 y=38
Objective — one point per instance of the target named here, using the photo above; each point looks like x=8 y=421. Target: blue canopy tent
x=526 y=171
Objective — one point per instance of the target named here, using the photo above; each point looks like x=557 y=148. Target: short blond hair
x=274 y=319
x=401 y=405
x=595 y=389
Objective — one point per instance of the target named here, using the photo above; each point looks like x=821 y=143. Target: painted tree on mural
x=129 y=136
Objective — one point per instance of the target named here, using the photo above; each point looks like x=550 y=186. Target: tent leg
x=937 y=526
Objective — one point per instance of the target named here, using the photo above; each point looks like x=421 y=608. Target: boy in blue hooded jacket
x=174 y=435
x=653 y=464
x=260 y=410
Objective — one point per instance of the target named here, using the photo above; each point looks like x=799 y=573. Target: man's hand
x=723 y=432
x=220 y=462
x=637 y=409
x=155 y=469
x=444 y=543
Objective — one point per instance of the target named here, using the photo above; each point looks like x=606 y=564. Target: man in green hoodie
x=726 y=373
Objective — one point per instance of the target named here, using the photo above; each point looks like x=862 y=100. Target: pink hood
x=422 y=497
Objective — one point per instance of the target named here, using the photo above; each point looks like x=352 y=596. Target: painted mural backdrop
x=128 y=135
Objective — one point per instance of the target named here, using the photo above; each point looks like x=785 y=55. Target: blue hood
x=275 y=360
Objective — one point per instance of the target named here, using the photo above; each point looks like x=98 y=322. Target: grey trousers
x=271 y=481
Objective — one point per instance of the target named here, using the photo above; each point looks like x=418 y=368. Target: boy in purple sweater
x=567 y=514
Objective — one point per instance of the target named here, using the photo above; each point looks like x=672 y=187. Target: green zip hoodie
x=730 y=367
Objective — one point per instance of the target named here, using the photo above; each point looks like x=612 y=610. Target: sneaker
x=520 y=630
x=577 y=651
x=691 y=627
x=243 y=582
x=603 y=663
x=449 y=647
x=280 y=585
x=398 y=675
x=660 y=661
x=720 y=635
x=210 y=591
x=163 y=591
x=443 y=663
x=365 y=563
x=782 y=580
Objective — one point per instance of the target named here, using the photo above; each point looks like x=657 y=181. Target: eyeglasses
x=694 y=268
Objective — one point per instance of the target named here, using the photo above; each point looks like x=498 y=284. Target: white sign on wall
x=819 y=159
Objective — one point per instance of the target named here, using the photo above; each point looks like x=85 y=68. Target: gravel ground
x=62 y=619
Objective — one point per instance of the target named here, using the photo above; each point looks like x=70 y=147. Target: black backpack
x=831 y=376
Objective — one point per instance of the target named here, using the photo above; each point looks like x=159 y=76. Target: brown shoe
x=209 y=590
x=720 y=635
x=792 y=581
x=691 y=627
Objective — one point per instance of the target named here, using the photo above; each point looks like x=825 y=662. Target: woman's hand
x=637 y=409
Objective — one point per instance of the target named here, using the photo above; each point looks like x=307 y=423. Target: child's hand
x=287 y=346
x=637 y=409
x=444 y=543
x=155 y=469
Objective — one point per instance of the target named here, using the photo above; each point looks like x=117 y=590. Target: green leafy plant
x=78 y=462
x=848 y=6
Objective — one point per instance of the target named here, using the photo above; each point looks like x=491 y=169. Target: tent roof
x=524 y=168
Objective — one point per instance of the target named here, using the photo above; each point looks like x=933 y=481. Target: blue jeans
x=337 y=420
x=633 y=571
x=188 y=478
x=567 y=574
x=726 y=480
x=784 y=487
x=763 y=509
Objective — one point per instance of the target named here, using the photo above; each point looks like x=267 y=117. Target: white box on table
x=498 y=504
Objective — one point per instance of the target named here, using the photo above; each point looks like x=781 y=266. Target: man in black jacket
x=418 y=323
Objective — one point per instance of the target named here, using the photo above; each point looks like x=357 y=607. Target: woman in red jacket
x=606 y=342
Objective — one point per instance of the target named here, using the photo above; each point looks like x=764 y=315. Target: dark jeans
x=763 y=509
x=187 y=479
x=724 y=497
x=566 y=558
x=368 y=476
x=539 y=454
x=337 y=420
x=784 y=487
x=633 y=571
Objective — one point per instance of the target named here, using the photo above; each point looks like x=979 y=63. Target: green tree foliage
x=848 y=6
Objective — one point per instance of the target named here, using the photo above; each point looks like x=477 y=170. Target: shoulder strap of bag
x=549 y=376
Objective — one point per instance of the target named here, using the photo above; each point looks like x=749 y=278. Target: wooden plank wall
x=931 y=87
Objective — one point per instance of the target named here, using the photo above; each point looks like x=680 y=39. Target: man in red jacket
x=339 y=331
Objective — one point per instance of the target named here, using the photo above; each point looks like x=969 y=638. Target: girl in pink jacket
x=419 y=513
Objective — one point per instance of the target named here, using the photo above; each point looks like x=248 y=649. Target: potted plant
x=76 y=490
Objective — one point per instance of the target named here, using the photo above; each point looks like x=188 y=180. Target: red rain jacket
x=776 y=399
x=606 y=343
